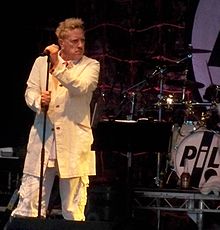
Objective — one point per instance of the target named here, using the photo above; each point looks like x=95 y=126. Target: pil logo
x=201 y=150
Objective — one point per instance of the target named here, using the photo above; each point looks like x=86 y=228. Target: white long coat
x=68 y=117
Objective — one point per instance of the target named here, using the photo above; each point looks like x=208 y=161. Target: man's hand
x=45 y=100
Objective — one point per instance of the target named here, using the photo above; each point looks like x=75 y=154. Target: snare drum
x=201 y=150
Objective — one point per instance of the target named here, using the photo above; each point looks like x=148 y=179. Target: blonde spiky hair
x=68 y=24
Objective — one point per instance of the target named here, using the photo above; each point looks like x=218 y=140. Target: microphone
x=45 y=53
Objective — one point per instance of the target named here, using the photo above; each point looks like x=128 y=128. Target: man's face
x=73 y=45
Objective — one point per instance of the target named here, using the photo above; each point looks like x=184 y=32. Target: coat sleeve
x=81 y=78
x=35 y=84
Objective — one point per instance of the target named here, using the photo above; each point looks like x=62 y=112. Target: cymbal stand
x=186 y=58
x=184 y=86
x=130 y=160
x=183 y=93
x=157 y=72
x=132 y=100
x=160 y=96
x=157 y=178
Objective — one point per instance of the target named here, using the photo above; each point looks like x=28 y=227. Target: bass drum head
x=201 y=151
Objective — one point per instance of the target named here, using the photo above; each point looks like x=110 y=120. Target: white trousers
x=73 y=194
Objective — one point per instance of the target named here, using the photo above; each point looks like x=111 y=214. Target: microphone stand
x=43 y=143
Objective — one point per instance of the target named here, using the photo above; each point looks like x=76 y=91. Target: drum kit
x=195 y=133
x=196 y=126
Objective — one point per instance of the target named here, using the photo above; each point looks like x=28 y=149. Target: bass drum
x=178 y=134
x=201 y=151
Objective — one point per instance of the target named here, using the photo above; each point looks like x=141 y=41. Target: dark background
x=130 y=38
x=126 y=36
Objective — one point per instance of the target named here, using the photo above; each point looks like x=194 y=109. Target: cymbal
x=185 y=83
x=200 y=51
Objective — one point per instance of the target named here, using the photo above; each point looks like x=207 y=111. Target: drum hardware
x=165 y=102
x=202 y=104
x=169 y=101
x=190 y=112
x=192 y=127
x=207 y=115
x=161 y=97
x=184 y=93
x=204 y=117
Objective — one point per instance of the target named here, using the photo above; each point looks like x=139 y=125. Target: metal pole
x=43 y=144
